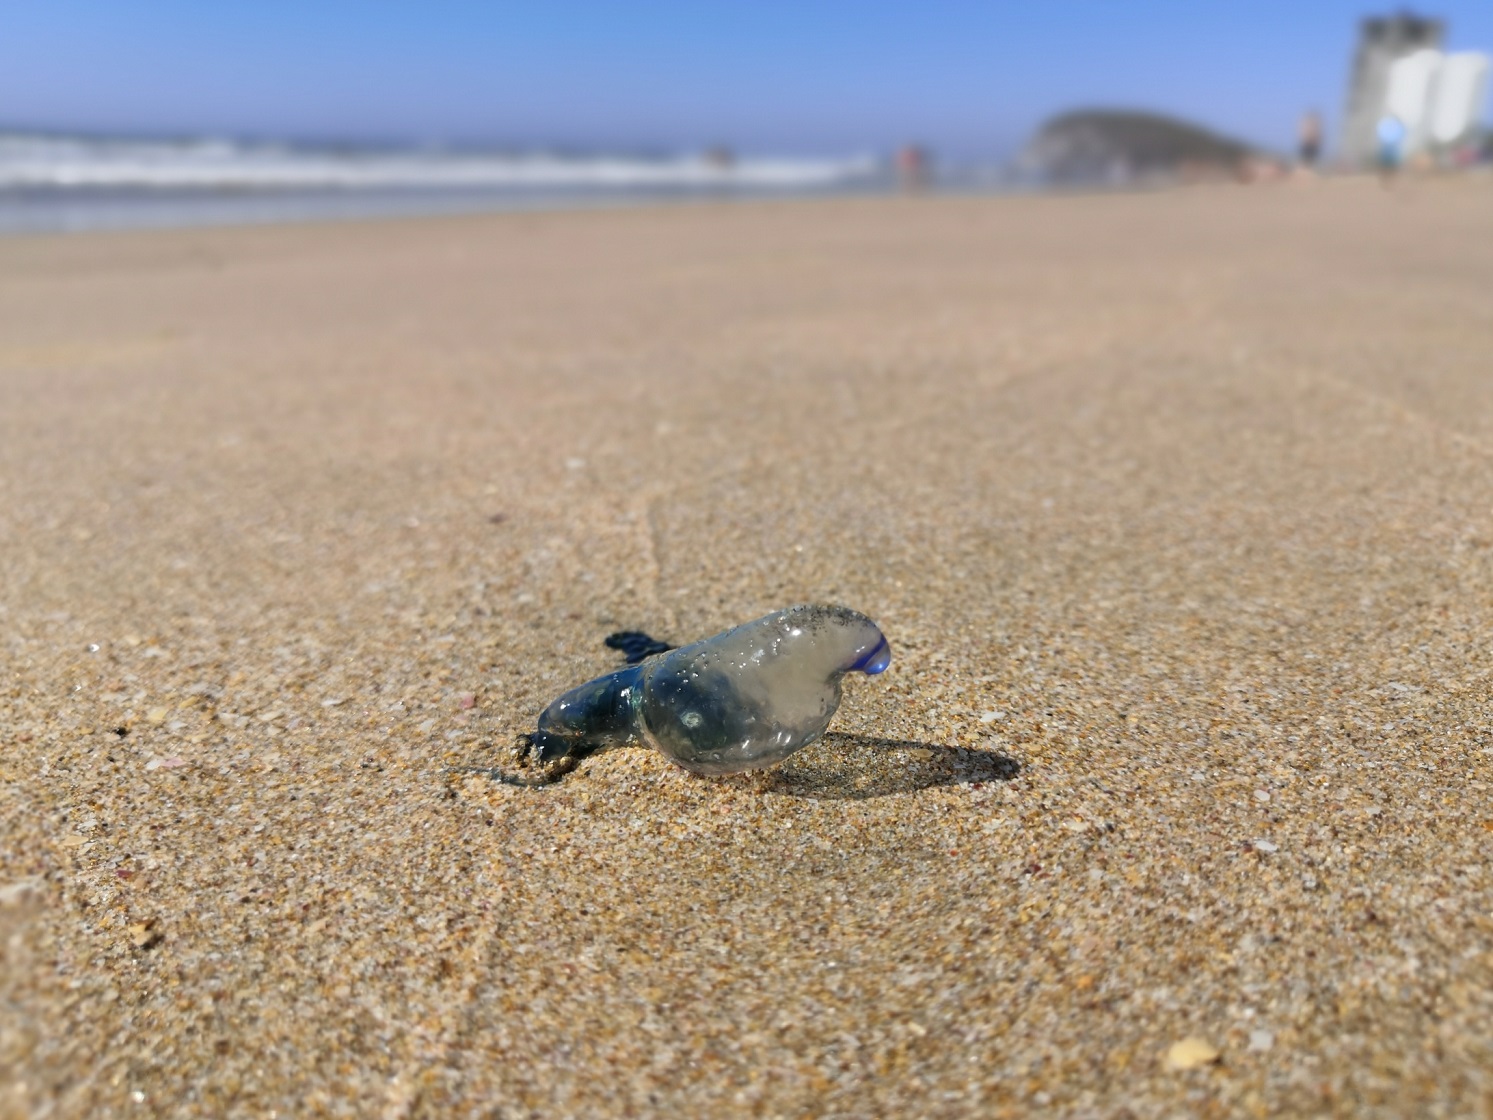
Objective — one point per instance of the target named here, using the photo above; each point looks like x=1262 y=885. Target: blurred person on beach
x=913 y=168
x=1309 y=140
x=1391 y=134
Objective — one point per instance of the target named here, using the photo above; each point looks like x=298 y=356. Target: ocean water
x=51 y=183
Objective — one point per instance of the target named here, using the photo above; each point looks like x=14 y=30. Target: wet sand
x=1177 y=509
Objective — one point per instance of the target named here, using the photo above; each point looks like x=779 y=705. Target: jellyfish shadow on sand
x=839 y=767
x=847 y=767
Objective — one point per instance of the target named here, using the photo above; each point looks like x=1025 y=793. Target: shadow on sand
x=856 y=767
x=840 y=767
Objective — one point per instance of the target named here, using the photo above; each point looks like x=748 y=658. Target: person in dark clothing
x=1309 y=139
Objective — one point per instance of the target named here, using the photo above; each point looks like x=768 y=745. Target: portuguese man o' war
x=742 y=700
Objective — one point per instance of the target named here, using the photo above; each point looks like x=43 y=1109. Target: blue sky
x=969 y=79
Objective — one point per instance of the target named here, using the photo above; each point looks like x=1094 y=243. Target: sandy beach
x=1177 y=800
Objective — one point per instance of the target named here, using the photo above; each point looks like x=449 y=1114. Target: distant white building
x=1461 y=93
x=1409 y=94
x=1437 y=97
x=1382 y=43
x=1399 y=70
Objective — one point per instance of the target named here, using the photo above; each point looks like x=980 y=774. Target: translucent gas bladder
x=742 y=700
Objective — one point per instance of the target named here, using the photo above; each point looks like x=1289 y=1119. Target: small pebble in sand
x=1261 y=1040
x=1190 y=1053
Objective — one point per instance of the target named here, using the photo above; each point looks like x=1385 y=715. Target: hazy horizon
x=971 y=81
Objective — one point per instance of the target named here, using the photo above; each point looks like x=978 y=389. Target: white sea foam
x=60 y=162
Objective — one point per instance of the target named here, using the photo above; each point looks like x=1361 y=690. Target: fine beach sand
x=1177 y=509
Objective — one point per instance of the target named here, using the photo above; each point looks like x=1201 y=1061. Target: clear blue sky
x=967 y=78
